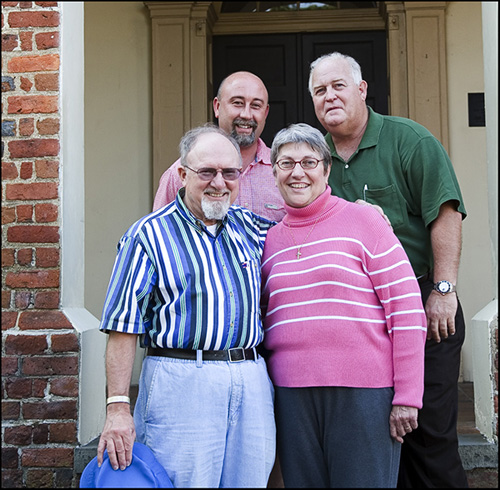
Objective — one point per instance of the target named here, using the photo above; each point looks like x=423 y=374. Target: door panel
x=367 y=48
x=273 y=59
x=282 y=61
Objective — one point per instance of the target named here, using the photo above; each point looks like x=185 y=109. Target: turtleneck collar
x=302 y=216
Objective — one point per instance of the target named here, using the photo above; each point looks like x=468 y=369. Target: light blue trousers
x=210 y=424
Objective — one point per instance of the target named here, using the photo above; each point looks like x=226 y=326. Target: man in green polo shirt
x=399 y=165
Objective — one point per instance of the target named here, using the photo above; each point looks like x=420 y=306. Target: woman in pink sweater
x=344 y=326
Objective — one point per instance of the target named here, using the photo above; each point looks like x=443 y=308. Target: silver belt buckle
x=236 y=349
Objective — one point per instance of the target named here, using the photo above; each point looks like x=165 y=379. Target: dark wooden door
x=282 y=61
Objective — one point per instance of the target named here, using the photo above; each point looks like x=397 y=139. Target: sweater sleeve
x=399 y=293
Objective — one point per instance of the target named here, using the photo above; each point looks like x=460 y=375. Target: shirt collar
x=263 y=154
x=190 y=218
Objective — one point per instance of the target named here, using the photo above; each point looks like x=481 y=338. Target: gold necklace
x=299 y=253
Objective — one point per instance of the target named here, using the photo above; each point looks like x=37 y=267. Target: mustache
x=246 y=122
x=226 y=192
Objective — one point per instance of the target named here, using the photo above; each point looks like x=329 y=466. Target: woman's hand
x=402 y=421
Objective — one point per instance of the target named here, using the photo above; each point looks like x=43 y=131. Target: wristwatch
x=444 y=287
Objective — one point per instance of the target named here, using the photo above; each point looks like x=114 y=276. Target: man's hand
x=441 y=311
x=118 y=436
x=377 y=207
x=402 y=421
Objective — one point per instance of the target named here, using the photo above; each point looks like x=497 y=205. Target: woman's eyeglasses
x=306 y=163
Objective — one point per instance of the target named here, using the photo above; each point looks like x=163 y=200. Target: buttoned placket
x=230 y=306
x=248 y=176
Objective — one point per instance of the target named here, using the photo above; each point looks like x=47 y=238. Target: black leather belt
x=231 y=355
x=425 y=277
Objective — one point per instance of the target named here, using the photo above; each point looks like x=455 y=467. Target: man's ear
x=182 y=173
x=363 y=90
x=216 y=107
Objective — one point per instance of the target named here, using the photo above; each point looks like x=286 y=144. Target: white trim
x=72 y=151
x=92 y=381
x=484 y=324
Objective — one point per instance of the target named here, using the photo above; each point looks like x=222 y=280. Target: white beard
x=214 y=210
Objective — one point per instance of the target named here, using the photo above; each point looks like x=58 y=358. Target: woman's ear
x=327 y=173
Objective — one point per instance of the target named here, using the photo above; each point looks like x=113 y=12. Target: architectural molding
x=181 y=33
x=427 y=82
x=397 y=59
x=300 y=21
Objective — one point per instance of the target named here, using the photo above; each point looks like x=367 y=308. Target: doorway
x=282 y=61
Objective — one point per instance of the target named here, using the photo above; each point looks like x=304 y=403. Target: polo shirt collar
x=371 y=135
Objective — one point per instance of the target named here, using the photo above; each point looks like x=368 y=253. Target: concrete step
x=479 y=457
x=477 y=452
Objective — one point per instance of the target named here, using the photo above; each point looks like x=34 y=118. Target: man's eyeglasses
x=209 y=173
x=306 y=163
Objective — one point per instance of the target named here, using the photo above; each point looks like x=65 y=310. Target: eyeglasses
x=306 y=163
x=208 y=173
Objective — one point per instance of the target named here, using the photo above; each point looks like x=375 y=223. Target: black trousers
x=429 y=455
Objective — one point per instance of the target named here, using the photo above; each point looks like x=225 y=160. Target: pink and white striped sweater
x=349 y=311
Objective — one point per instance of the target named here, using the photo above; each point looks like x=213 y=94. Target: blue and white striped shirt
x=185 y=288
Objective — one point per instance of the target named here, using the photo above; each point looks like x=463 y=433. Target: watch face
x=443 y=286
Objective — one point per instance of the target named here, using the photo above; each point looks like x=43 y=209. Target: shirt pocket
x=273 y=210
x=391 y=202
x=251 y=268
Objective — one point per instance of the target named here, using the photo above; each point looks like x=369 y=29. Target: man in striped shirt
x=187 y=280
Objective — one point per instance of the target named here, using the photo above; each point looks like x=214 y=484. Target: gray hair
x=191 y=137
x=355 y=68
x=301 y=133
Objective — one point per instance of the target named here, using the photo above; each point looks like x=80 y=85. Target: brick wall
x=40 y=351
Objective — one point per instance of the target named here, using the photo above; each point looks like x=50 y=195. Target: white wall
x=490 y=43
x=464 y=45
x=118 y=148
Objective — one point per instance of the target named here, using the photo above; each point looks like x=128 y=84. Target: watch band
x=118 y=399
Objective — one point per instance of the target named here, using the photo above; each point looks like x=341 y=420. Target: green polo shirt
x=403 y=168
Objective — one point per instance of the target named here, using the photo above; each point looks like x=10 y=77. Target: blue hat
x=143 y=472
